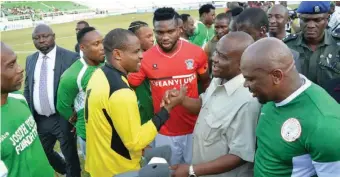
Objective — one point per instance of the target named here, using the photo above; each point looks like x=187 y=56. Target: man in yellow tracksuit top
x=115 y=137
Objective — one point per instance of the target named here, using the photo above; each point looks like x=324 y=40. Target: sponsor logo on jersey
x=291 y=130
x=189 y=63
x=174 y=80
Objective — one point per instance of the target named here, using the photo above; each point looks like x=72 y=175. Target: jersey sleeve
x=123 y=110
x=67 y=92
x=136 y=79
x=202 y=61
x=324 y=147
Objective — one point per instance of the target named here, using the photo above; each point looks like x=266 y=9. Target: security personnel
x=319 y=49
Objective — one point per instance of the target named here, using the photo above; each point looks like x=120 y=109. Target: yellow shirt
x=114 y=134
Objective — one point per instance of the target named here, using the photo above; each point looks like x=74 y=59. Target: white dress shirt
x=50 y=80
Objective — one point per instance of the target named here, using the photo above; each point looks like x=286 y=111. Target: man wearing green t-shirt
x=21 y=151
x=204 y=31
x=298 y=129
x=143 y=91
x=73 y=82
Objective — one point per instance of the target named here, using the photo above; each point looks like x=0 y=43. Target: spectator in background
x=204 y=27
x=188 y=26
x=334 y=22
x=80 y=25
x=145 y=35
x=43 y=71
x=254 y=21
x=222 y=21
x=278 y=18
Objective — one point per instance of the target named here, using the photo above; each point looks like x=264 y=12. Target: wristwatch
x=191 y=171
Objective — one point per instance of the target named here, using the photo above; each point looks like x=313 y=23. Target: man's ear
x=117 y=54
x=264 y=30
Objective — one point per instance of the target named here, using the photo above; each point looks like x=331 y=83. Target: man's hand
x=73 y=118
x=173 y=98
x=180 y=170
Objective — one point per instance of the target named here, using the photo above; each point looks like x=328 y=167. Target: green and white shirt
x=21 y=151
x=71 y=93
x=300 y=136
x=202 y=34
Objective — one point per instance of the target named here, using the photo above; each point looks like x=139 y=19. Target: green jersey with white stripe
x=21 y=151
x=202 y=34
x=300 y=136
x=71 y=93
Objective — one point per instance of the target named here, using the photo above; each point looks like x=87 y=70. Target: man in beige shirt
x=224 y=134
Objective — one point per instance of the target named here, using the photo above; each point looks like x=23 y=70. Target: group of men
x=224 y=94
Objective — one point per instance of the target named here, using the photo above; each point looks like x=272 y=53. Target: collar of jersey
x=297 y=92
x=112 y=67
x=174 y=54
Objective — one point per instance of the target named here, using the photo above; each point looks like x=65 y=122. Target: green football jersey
x=300 y=136
x=202 y=34
x=145 y=103
x=22 y=154
x=71 y=93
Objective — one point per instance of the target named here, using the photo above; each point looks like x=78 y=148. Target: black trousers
x=51 y=129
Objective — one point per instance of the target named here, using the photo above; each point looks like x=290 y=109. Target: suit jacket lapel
x=57 y=69
x=31 y=76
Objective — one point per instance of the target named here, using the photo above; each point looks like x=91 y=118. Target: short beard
x=167 y=50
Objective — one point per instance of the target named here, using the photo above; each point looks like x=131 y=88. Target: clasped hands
x=173 y=98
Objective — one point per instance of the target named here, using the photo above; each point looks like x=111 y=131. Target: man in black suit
x=80 y=25
x=43 y=71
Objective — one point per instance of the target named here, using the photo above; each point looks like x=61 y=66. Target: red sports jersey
x=167 y=72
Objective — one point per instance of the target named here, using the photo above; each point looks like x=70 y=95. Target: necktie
x=43 y=94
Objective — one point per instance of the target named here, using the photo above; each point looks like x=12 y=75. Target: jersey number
x=86 y=105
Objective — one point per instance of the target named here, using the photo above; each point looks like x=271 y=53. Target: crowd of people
x=232 y=95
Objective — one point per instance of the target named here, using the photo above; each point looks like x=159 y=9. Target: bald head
x=269 y=70
x=11 y=72
x=5 y=50
x=229 y=49
x=235 y=42
x=271 y=53
x=42 y=28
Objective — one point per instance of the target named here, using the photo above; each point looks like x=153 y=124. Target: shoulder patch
x=290 y=37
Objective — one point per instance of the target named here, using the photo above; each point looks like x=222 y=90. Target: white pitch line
x=27 y=43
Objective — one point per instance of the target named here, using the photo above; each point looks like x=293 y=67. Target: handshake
x=173 y=98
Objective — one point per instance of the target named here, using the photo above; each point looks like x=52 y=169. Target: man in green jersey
x=22 y=154
x=73 y=83
x=222 y=21
x=204 y=28
x=145 y=35
x=298 y=129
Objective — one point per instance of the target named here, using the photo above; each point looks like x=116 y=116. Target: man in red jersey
x=169 y=65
